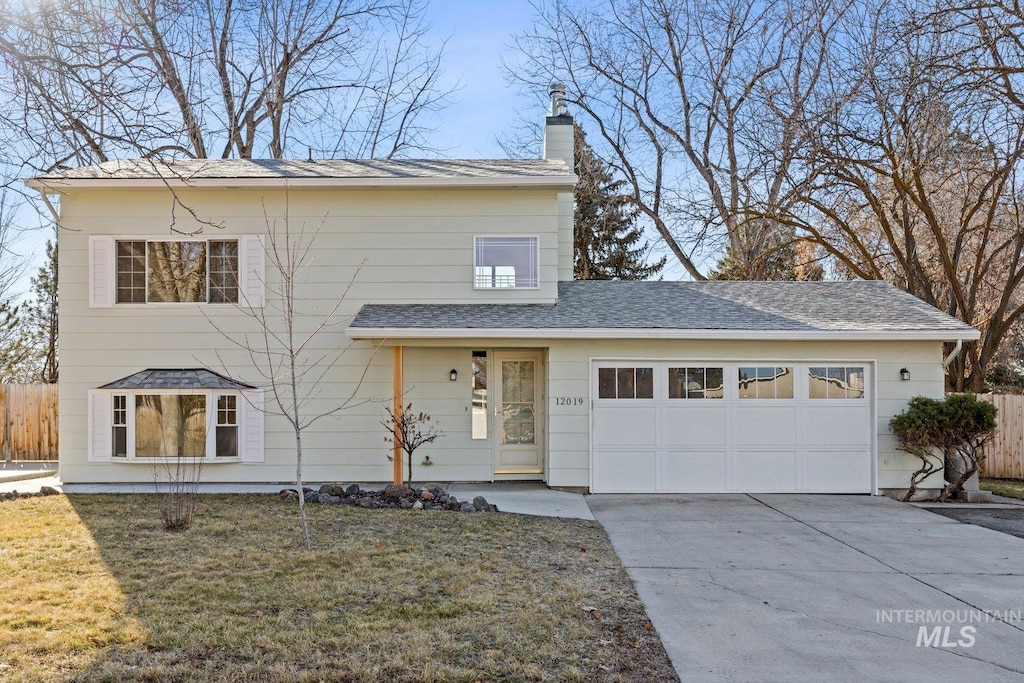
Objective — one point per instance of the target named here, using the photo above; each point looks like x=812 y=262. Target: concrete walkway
x=799 y=588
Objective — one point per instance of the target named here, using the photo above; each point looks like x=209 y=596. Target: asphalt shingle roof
x=858 y=306
x=183 y=378
x=210 y=169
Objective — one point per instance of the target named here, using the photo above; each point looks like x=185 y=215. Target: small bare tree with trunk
x=409 y=430
x=284 y=350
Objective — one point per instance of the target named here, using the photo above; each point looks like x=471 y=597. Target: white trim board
x=657 y=333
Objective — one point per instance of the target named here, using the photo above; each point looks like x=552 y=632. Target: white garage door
x=688 y=427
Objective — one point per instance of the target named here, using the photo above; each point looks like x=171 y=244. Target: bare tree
x=409 y=430
x=702 y=108
x=89 y=81
x=287 y=350
x=919 y=180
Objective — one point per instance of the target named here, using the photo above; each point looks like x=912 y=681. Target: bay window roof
x=176 y=378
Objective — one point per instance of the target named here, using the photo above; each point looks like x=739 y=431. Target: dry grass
x=93 y=588
x=1011 y=488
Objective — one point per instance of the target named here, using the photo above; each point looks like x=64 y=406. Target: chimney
x=559 y=134
x=558 y=128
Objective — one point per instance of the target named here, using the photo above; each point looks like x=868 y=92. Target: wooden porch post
x=399 y=390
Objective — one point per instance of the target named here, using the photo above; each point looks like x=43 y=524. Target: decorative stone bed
x=44 y=491
x=391 y=497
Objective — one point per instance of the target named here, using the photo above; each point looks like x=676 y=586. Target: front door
x=519 y=415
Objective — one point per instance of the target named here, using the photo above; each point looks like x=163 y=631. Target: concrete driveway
x=814 y=588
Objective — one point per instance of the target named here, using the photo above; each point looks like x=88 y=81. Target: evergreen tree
x=605 y=235
x=15 y=355
x=39 y=321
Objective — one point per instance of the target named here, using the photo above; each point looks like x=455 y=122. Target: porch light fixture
x=904 y=374
x=453 y=375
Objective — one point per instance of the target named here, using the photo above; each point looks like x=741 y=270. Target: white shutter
x=102 y=271
x=252 y=425
x=101 y=419
x=251 y=259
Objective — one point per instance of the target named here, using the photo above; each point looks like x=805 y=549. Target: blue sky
x=479 y=36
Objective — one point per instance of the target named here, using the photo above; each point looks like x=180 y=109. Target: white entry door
x=518 y=417
x=753 y=427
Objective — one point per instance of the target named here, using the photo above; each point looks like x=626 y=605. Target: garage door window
x=625 y=383
x=835 y=382
x=695 y=383
x=766 y=382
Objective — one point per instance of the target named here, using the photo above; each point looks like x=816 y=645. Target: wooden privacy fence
x=1004 y=457
x=29 y=421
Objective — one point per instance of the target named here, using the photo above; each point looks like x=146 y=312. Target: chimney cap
x=557 y=92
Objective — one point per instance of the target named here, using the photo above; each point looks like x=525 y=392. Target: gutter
x=953 y=354
x=55 y=184
x=656 y=333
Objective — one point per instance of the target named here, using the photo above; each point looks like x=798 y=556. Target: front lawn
x=93 y=588
x=1011 y=488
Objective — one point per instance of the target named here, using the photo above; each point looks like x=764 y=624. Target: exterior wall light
x=904 y=374
x=453 y=375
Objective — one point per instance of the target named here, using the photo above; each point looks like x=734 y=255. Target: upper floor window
x=177 y=271
x=506 y=263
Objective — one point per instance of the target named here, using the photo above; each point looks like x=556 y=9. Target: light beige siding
x=382 y=246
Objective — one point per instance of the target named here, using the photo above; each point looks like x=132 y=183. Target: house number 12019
x=568 y=401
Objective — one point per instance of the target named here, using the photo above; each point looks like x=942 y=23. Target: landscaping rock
x=48 y=491
x=392 y=492
x=391 y=497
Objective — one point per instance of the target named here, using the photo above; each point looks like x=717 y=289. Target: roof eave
x=659 y=333
x=50 y=184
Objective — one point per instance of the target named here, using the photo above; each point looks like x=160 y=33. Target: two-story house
x=455 y=282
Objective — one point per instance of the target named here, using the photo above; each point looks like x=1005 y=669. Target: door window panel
x=766 y=382
x=695 y=383
x=517 y=402
x=841 y=382
x=625 y=383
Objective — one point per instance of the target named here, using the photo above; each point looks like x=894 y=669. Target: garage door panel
x=764 y=425
x=837 y=472
x=692 y=471
x=836 y=425
x=625 y=471
x=693 y=426
x=764 y=471
x=625 y=426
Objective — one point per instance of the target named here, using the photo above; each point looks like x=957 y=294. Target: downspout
x=953 y=354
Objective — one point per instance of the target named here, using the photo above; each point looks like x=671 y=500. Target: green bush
x=949 y=432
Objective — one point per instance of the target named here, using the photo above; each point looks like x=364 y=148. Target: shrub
x=950 y=434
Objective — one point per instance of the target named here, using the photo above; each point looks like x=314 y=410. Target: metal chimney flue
x=557 y=92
